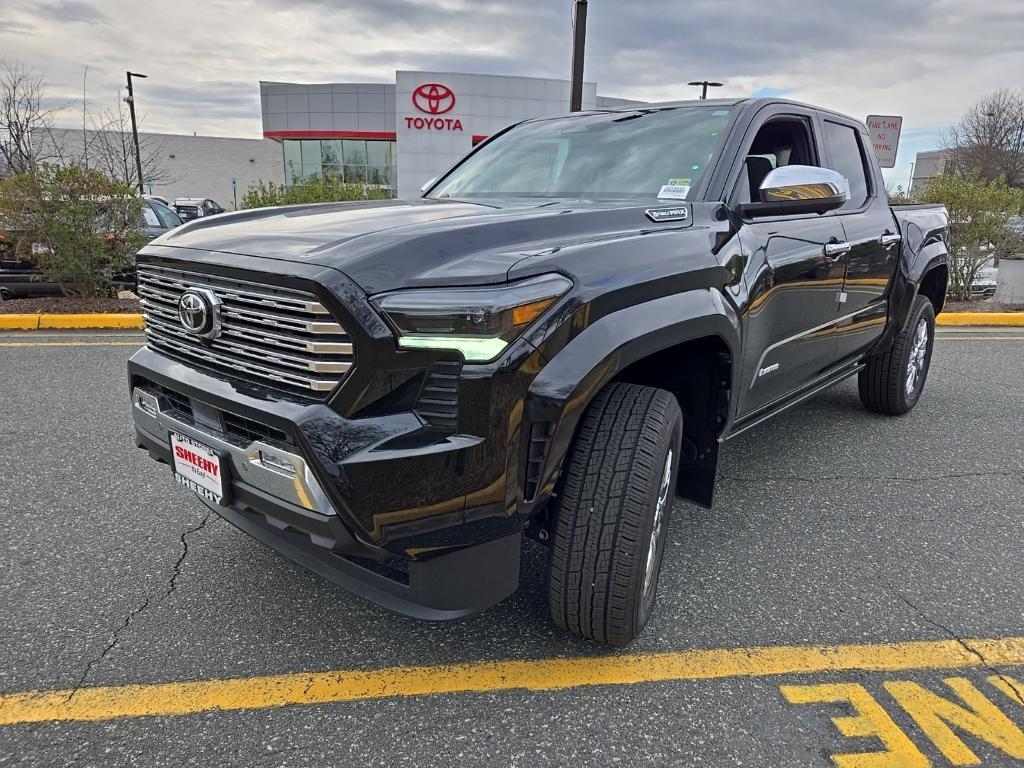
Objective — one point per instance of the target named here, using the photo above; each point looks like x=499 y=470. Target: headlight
x=478 y=322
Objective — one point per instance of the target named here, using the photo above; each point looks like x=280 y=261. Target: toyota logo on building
x=433 y=98
x=199 y=312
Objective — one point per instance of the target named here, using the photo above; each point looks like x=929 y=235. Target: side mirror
x=799 y=189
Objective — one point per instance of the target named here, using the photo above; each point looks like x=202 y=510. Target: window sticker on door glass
x=674 y=191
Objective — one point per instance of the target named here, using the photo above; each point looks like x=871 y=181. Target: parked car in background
x=984 y=285
x=19 y=278
x=158 y=218
x=189 y=208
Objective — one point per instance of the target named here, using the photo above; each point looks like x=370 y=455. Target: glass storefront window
x=355 y=152
x=310 y=152
x=353 y=161
x=355 y=174
x=330 y=151
x=292 y=161
x=378 y=153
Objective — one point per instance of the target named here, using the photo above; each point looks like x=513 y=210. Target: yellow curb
x=70 y=322
x=980 y=318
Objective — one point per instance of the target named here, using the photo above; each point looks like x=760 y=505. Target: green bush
x=80 y=228
x=979 y=214
x=265 y=194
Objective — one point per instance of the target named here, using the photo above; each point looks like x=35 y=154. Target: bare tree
x=989 y=139
x=24 y=119
x=111 y=149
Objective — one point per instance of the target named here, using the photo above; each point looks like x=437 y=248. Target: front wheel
x=612 y=514
x=892 y=382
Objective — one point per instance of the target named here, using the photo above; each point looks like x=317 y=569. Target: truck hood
x=388 y=244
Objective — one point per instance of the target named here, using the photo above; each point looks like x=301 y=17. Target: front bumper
x=283 y=494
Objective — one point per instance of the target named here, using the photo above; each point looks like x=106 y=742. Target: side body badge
x=669 y=213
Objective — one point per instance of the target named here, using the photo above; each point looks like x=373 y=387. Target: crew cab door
x=870 y=231
x=792 y=283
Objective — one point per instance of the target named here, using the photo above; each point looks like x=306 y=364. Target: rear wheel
x=892 y=382
x=613 y=510
x=5 y=294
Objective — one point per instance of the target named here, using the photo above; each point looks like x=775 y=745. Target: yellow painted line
x=25 y=322
x=72 y=343
x=183 y=698
x=980 y=318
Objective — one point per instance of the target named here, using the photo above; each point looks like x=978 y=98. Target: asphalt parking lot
x=895 y=543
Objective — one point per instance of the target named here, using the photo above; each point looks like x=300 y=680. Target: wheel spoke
x=659 y=517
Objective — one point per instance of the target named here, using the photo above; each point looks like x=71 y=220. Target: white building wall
x=484 y=105
x=197 y=166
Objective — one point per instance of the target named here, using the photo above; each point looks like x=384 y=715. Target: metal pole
x=135 y=131
x=704 y=90
x=910 y=185
x=579 y=39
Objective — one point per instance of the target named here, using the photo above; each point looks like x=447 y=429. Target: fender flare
x=564 y=387
x=924 y=253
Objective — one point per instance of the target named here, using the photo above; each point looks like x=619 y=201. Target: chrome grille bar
x=269 y=335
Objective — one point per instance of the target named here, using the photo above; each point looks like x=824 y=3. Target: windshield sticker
x=674 y=191
x=678 y=182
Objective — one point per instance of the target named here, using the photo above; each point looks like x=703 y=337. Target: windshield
x=646 y=153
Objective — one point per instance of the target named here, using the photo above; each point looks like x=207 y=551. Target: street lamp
x=705 y=84
x=910 y=185
x=135 y=128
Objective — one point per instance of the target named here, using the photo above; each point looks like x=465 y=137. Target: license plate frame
x=199 y=467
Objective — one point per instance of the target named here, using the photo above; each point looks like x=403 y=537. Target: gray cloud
x=925 y=59
x=71 y=11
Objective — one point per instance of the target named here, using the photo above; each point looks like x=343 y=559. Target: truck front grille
x=278 y=337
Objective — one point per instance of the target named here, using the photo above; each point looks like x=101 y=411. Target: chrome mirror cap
x=805 y=182
x=798 y=189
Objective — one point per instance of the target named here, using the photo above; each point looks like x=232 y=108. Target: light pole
x=579 y=40
x=704 y=85
x=910 y=185
x=135 y=128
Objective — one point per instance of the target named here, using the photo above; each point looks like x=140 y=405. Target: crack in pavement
x=184 y=553
x=1018 y=694
x=862 y=478
x=142 y=606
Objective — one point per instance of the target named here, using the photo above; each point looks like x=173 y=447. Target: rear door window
x=168 y=218
x=149 y=217
x=846 y=155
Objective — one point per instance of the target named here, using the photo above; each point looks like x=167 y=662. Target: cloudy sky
x=925 y=59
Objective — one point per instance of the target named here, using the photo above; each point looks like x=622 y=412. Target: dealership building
x=405 y=133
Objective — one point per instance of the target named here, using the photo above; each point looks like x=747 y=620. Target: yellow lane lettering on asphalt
x=936 y=715
x=182 y=698
x=869 y=720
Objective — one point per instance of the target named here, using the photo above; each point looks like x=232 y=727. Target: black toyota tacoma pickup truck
x=555 y=341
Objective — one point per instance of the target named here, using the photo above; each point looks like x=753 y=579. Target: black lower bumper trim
x=449 y=586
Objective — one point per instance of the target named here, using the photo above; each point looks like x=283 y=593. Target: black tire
x=607 y=525
x=5 y=294
x=885 y=383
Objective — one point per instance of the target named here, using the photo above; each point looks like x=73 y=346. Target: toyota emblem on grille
x=199 y=312
x=434 y=98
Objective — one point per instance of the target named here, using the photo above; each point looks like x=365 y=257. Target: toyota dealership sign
x=434 y=100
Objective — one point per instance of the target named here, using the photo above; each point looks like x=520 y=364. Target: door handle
x=835 y=250
x=889 y=239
